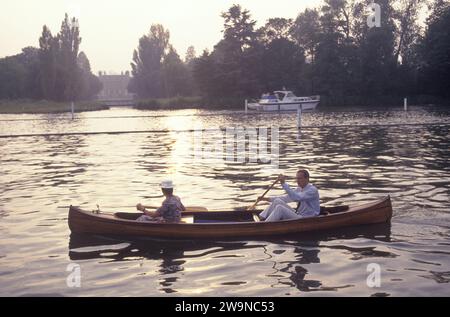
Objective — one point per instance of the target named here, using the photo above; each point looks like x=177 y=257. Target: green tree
x=275 y=28
x=89 y=85
x=434 y=51
x=68 y=74
x=329 y=64
x=12 y=78
x=306 y=30
x=29 y=58
x=55 y=71
x=48 y=58
x=376 y=53
x=147 y=63
x=177 y=81
x=236 y=55
x=408 y=29
x=204 y=73
x=64 y=73
x=239 y=28
x=190 y=55
x=282 y=66
x=19 y=75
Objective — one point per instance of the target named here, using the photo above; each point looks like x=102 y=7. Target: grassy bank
x=190 y=103
x=339 y=102
x=326 y=102
x=45 y=106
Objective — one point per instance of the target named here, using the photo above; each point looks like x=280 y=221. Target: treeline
x=330 y=50
x=157 y=69
x=55 y=71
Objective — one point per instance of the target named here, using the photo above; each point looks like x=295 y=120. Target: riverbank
x=190 y=103
x=45 y=106
x=327 y=103
x=386 y=101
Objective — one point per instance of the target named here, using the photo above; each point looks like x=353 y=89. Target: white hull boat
x=284 y=100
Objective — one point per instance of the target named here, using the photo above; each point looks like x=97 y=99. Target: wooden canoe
x=226 y=224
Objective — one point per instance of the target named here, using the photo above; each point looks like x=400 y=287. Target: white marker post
x=405 y=104
x=72 y=109
x=246 y=105
x=299 y=116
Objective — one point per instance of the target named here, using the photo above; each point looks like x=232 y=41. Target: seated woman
x=170 y=210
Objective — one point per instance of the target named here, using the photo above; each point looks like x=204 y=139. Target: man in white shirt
x=305 y=194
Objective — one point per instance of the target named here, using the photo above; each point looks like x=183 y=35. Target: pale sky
x=110 y=29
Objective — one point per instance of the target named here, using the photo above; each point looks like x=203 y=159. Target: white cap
x=167 y=184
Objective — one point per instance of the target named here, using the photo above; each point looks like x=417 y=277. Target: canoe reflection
x=173 y=257
x=85 y=246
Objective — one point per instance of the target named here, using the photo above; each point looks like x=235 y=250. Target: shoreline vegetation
x=331 y=50
x=25 y=106
x=28 y=106
x=326 y=102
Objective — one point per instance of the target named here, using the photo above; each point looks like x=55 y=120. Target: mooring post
x=246 y=105
x=405 y=104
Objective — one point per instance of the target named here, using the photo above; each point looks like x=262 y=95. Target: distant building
x=115 y=87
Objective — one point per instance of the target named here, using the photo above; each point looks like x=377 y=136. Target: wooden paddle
x=252 y=207
x=188 y=209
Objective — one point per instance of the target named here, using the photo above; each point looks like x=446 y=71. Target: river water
x=119 y=156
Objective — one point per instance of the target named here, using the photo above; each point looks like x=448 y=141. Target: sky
x=110 y=29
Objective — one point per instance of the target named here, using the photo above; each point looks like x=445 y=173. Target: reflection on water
x=350 y=161
x=174 y=256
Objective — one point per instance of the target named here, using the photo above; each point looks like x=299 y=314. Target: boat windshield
x=290 y=95
x=280 y=95
x=269 y=97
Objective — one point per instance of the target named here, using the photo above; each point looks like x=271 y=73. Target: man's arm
x=309 y=193
x=284 y=198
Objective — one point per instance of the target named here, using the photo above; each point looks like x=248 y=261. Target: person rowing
x=306 y=195
x=170 y=210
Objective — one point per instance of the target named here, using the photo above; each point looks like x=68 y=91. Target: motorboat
x=284 y=100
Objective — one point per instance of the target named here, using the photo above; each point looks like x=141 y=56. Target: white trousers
x=279 y=210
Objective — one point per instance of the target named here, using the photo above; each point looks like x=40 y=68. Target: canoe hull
x=81 y=221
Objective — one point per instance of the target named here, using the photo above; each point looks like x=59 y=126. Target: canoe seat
x=187 y=219
x=128 y=215
x=256 y=218
x=333 y=210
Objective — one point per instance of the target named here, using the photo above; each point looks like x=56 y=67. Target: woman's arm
x=181 y=204
x=150 y=213
x=140 y=207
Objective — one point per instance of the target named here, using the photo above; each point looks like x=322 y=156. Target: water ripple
x=352 y=157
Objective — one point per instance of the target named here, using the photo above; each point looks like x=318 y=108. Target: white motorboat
x=284 y=100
